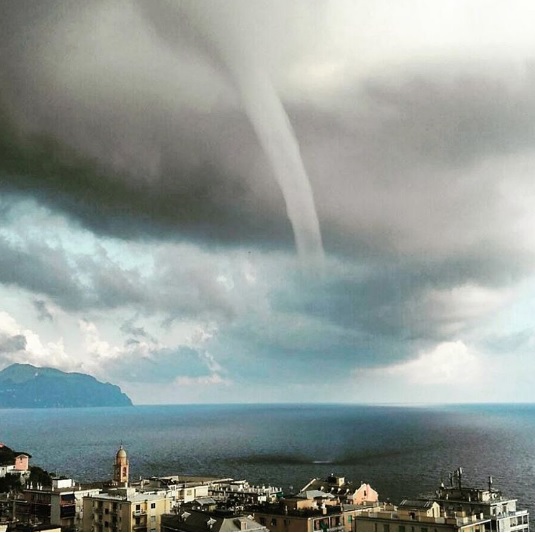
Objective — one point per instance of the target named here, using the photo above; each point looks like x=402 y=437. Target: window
x=386 y=527
x=153 y=506
x=273 y=522
x=401 y=528
x=262 y=521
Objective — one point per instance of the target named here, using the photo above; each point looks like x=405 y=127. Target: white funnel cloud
x=275 y=133
x=215 y=30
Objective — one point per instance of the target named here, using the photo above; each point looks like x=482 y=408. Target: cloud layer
x=137 y=204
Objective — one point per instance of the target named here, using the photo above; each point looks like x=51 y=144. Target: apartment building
x=60 y=504
x=489 y=502
x=417 y=515
x=126 y=509
x=241 y=492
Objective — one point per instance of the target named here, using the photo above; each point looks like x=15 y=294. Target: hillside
x=29 y=386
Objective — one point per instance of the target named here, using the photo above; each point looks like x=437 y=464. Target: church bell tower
x=120 y=468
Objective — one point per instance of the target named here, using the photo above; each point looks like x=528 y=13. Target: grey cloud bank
x=137 y=196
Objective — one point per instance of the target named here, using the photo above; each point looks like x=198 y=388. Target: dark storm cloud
x=161 y=366
x=10 y=344
x=452 y=119
x=42 y=310
x=416 y=149
x=194 y=202
x=407 y=154
x=388 y=157
x=92 y=157
x=137 y=332
x=395 y=301
x=513 y=342
x=409 y=172
x=81 y=282
x=41 y=270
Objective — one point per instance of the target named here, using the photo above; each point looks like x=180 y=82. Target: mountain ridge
x=29 y=386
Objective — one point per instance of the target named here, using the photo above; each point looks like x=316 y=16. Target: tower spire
x=121 y=467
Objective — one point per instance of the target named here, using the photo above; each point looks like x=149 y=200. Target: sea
x=402 y=451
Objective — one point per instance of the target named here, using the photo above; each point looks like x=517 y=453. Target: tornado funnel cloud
x=276 y=136
x=213 y=29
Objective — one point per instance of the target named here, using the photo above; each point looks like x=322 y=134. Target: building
x=241 y=492
x=139 y=506
x=22 y=462
x=299 y=513
x=344 y=490
x=13 y=463
x=489 y=502
x=452 y=508
x=60 y=505
x=185 y=488
x=417 y=515
x=121 y=468
x=126 y=509
x=214 y=520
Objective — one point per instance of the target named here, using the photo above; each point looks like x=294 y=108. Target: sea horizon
x=402 y=451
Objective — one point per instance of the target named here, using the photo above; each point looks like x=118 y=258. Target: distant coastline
x=24 y=386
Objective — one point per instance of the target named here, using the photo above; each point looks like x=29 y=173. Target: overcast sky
x=265 y=201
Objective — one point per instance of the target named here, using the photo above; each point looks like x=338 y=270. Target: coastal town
x=31 y=499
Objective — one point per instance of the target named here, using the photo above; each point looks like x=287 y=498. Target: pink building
x=345 y=491
x=22 y=462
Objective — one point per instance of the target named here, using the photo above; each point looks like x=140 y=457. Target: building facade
x=60 y=505
x=301 y=514
x=241 y=492
x=126 y=509
x=489 y=502
x=417 y=515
